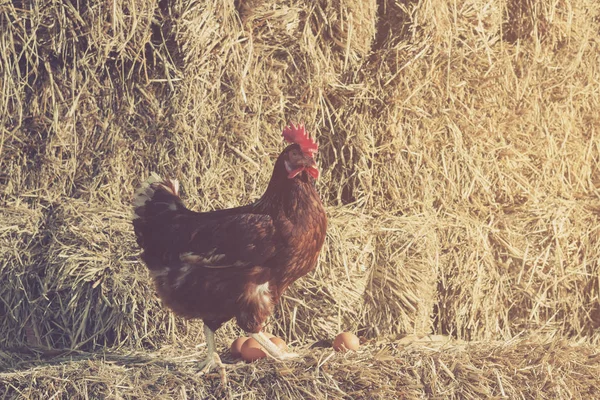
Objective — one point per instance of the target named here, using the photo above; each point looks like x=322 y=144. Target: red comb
x=297 y=134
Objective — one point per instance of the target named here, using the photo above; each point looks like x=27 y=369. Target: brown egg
x=346 y=341
x=251 y=350
x=236 y=347
x=279 y=343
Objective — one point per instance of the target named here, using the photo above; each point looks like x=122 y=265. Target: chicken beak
x=310 y=162
x=311 y=167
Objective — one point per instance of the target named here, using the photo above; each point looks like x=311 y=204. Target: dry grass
x=430 y=368
x=460 y=169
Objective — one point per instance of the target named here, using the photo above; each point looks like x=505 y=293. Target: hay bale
x=348 y=27
x=427 y=368
x=21 y=235
x=373 y=278
x=87 y=287
x=401 y=291
x=538 y=282
x=271 y=23
x=477 y=23
x=330 y=300
x=492 y=178
x=76 y=77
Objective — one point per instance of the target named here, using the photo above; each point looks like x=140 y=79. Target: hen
x=234 y=262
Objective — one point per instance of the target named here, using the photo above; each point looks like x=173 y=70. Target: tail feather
x=154 y=205
x=168 y=198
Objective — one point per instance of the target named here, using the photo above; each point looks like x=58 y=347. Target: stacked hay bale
x=20 y=246
x=458 y=152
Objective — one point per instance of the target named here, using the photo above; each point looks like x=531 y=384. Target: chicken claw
x=212 y=359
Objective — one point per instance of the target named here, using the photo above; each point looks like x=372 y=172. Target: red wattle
x=295 y=172
x=311 y=170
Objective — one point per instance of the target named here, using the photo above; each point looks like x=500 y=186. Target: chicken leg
x=271 y=348
x=212 y=359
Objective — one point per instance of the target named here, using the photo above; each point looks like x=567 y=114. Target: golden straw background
x=459 y=153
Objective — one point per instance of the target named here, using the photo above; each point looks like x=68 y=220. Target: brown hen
x=234 y=262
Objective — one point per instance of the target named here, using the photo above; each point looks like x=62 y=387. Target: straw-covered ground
x=519 y=369
x=459 y=151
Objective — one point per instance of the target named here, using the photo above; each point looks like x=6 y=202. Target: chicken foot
x=212 y=359
x=271 y=348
